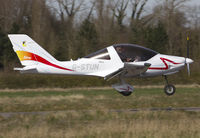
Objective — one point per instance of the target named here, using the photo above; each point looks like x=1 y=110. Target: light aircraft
x=122 y=60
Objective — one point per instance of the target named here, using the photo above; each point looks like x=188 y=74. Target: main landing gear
x=126 y=93
x=123 y=88
x=169 y=88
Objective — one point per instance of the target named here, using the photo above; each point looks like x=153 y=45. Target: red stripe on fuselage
x=44 y=61
x=166 y=65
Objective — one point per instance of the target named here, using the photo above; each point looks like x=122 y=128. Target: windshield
x=134 y=53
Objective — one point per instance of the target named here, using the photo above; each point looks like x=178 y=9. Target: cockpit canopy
x=134 y=53
x=127 y=53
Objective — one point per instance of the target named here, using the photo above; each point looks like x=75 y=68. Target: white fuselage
x=160 y=65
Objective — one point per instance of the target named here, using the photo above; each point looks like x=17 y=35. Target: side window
x=101 y=54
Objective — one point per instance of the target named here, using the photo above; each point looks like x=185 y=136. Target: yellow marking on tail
x=23 y=55
x=24 y=44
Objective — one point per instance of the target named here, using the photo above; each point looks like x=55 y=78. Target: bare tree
x=193 y=31
x=194 y=17
x=69 y=8
x=14 y=11
x=37 y=14
x=9 y=12
x=119 y=11
x=174 y=21
x=100 y=5
x=93 y=3
x=137 y=9
x=101 y=20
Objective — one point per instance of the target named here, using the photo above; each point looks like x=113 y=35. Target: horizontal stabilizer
x=18 y=69
x=27 y=69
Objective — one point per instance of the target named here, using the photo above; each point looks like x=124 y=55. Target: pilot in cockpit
x=122 y=54
x=137 y=58
x=124 y=58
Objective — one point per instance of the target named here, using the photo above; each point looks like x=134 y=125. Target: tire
x=169 y=89
x=126 y=93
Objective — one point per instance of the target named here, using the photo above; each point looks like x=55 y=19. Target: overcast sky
x=151 y=4
x=192 y=2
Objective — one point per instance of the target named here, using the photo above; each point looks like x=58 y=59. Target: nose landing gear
x=169 y=89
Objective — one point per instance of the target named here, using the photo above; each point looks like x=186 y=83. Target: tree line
x=74 y=28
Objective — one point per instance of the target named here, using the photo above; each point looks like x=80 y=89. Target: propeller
x=188 y=68
x=188 y=60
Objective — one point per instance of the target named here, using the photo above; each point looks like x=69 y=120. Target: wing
x=135 y=68
x=130 y=69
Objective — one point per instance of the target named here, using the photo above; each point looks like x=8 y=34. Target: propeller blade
x=187 y=60
x=188 y=68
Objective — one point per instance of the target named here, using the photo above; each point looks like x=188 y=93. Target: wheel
x=126 y=93
x=169 y=89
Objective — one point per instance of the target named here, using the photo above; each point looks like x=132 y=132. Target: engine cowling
x=124 y=89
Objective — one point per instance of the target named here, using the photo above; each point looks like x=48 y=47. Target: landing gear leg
x=169 y=88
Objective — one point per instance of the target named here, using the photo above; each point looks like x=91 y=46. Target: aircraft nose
x=188 y=60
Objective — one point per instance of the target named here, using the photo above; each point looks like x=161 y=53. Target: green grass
x=96 y=99
x=15 y=80
x=89 y=113
x=106 y=92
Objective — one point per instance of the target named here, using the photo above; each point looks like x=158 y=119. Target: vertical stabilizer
x=28 y=51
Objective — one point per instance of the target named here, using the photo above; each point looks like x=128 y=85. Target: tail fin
x=28 y=51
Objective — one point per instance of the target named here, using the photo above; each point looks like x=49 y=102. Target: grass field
x=93 y=113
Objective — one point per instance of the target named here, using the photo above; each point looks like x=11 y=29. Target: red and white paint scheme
x=122 y=60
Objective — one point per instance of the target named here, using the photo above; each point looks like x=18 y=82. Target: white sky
x=152 y=3
x=194 y=2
